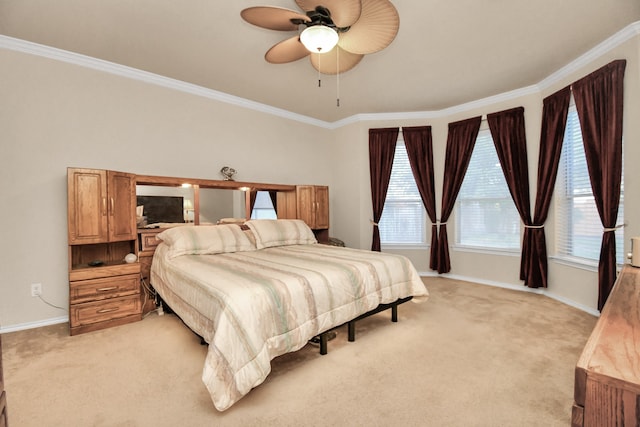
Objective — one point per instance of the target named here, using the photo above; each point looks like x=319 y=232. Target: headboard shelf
x=211 y=183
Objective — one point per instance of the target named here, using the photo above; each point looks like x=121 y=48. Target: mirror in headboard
x=164 y=204
x=162 y=208
x=207 y=201
x=216 y=204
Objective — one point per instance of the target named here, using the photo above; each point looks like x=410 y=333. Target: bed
x=258 y=293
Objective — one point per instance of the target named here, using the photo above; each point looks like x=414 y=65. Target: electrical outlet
x=36 y=289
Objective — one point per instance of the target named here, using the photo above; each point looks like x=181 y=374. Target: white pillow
x=280 y=232
x=205 y=240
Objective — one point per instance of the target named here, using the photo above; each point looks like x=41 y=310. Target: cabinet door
x=321 y=207
x=313 y=205
x=87 y=206
x=122 y=204
x=306 y=204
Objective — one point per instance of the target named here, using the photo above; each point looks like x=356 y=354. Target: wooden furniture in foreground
x=607 y=376
x=3 y=395
x=104 y=290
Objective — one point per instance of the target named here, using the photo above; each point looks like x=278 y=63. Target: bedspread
x=252 y=306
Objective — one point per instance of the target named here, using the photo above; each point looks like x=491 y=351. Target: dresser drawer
x=149 y=241
x=102 y=311
x=100 y=289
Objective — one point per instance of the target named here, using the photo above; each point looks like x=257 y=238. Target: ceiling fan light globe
x=319 y=38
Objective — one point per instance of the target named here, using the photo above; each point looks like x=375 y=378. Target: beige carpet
x=472 y=355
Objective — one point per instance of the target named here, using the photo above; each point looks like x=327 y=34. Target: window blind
x=403 y=217
x=486 y=216
x=578 y=226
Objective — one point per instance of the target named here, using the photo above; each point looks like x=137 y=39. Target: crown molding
x=622 y=36
x=85 y=61
x=10 y=43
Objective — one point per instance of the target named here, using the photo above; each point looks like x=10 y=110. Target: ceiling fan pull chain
x=319 y=59
x=337 y=77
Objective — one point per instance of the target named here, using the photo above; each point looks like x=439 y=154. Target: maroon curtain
x=273 y=195
x=554 y=121
x=599 y=102
x=252 y=199
x=419 y=146
x=382 y=149
x=508 y=133
x=460 y=142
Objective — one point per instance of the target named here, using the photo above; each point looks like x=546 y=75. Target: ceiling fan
x=354 y=27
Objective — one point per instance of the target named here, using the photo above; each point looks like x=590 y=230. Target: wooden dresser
x=104 y=290
x=607 y=377
x=3 y=395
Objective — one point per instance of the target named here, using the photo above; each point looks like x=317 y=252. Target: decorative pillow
x=206 y=240
x=280 y=232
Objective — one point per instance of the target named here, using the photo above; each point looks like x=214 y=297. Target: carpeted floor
x=471 y=355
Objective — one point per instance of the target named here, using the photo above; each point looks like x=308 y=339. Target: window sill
x=409 y=247
x=575 y=262
x=487 y=251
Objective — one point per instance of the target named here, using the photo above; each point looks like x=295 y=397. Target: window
x=579 y=229
x=403 y=218
x=263 y=207
x=486 y=216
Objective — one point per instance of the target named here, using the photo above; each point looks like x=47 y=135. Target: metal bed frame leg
x=394 y=312
x=323 y=343
x=351 y=326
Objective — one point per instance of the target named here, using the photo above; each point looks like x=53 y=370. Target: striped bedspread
x=253 y=306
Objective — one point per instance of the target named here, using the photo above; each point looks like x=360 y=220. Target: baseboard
x=520 y=287
x=32 y=325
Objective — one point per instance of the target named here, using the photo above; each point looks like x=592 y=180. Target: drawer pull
x=108 y=310
x=110 y=288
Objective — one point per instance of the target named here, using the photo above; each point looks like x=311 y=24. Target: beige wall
x=54 y=115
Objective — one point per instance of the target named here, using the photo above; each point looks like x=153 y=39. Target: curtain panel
x=599 y=103
x=419 y=145
x=508 y=133
x=460 y=142
x=554 y=120
x=273 y=195
x=253 y=194
x=382 y=149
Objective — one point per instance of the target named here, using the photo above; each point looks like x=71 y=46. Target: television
x=162 y=208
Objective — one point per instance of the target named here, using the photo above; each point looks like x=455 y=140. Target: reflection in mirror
x=159 y=204
x=216 y=204
x=263 y=205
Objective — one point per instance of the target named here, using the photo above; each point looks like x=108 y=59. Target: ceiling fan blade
x=375 y=30
x=274 y=18
x=329 y=63
x=288 y=50
x=344 y=13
